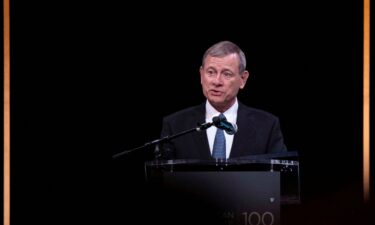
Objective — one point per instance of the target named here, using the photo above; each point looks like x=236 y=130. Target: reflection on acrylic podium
x=237 y=191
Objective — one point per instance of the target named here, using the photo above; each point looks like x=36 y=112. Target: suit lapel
x=244 y=140
x=200 y=137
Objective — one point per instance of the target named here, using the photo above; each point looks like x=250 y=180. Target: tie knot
x=222 y=116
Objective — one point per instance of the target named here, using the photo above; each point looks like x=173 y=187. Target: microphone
x=224 y=124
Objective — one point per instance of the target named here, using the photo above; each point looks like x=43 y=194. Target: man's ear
x=201 y=72
x=244 y=76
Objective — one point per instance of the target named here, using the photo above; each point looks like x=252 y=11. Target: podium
x=242 y=191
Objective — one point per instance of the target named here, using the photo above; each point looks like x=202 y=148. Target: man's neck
x=224 y=107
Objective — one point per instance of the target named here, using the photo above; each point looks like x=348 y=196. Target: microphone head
x=224 y=124
x=233 y=129
x=217 y=120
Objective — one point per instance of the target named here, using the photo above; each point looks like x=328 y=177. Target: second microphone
x=224 y=124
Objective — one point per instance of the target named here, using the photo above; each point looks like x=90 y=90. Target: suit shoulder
x=258 y=113
x=187 y=112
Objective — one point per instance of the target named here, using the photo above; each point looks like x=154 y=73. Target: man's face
x=221 y=80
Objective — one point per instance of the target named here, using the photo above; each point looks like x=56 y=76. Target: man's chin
x=216 y=98
x=217 y=102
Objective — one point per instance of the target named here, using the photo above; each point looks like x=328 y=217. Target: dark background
x=89 y=80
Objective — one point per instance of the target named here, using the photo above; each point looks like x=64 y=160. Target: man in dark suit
x=223 y=73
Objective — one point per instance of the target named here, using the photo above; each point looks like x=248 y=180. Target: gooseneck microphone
x=217 y=121
x=224 y=124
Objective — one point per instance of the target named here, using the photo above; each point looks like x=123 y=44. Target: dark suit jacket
x=258 y=133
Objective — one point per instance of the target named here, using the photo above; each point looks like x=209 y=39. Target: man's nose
x=218 y=79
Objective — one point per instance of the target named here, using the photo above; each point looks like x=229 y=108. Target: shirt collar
x=230 y=114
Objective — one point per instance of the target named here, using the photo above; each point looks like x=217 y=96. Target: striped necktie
x=218 y=151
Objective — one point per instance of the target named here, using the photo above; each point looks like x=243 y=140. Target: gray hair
x=225 y=48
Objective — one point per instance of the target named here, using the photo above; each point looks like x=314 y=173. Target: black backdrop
x=89 y=80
